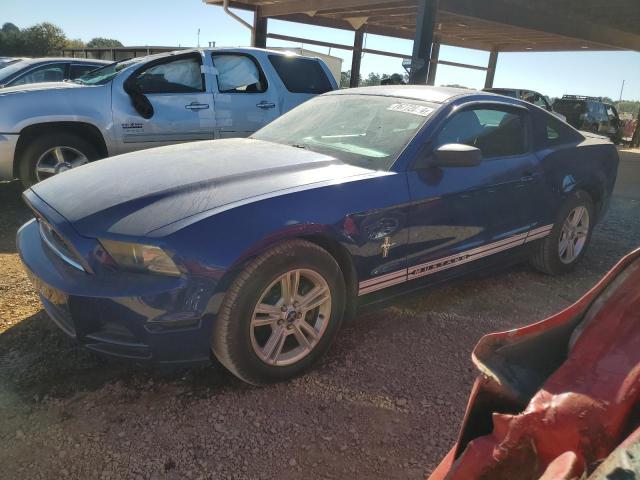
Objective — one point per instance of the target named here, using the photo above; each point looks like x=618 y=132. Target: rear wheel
x=280 y=314
x=50 y=154
x=567 y=243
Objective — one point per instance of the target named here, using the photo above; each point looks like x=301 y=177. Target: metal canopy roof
x=498 y=25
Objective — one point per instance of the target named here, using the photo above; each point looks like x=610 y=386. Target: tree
x=345 y=79
x=11 y=40
x=74 y=43
x=44 y=39
x=371 y=80
x=100 y=42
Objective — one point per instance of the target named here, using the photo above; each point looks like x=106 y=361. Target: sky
x=176 y=23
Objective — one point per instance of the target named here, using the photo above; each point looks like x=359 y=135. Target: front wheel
x=563 y=249
x=280 y=314
x=54 y=153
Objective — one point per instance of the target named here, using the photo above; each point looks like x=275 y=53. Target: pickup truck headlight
x=140 y=258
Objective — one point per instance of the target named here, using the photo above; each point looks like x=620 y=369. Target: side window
x=239 y=74
x=553 y=131
x=80 y=69
x=496 y=132
x=46 y=73
x=177 y=76
x=301 y=75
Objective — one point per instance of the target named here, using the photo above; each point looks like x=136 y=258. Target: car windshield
x=105 y=74
x=363 y=130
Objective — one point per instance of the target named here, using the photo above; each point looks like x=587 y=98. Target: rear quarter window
x=301 y=75
x=550 y=131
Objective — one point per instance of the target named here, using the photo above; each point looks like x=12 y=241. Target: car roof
x=415 y=92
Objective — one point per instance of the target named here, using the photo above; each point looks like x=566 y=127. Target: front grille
x=58 y=245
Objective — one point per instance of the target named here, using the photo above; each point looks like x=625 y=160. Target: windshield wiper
x=300 y=145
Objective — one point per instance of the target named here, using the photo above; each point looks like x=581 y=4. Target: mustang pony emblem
x=386 y=246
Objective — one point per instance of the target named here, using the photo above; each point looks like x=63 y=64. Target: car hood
x=137 y=193
x=30 y=87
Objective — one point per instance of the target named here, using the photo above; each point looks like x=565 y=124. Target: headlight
x=140 y=258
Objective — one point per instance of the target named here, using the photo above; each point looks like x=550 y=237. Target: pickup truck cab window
x=300 y=75
x=496 y=132
x=239 y=74
x=182 y=75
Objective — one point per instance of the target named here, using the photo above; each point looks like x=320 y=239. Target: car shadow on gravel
x=37 y=361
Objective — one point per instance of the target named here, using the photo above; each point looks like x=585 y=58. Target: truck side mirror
x=139 y=100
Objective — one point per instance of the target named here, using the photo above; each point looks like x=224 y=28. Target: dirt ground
x=385 y=403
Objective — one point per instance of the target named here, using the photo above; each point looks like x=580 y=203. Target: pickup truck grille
x=58 y=245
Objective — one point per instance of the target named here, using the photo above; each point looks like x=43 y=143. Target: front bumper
x=8 y=144
x=124 y=315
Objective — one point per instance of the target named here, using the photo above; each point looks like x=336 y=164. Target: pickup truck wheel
x=567 y=243
x=280 y=314
x=54 y=153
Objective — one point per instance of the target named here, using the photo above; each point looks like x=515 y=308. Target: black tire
x=545 y=256
x=231 y=339
x=40 y=144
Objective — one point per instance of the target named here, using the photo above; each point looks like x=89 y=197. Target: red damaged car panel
x=558 y=396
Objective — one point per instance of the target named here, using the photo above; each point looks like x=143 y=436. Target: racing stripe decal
x=401 y=276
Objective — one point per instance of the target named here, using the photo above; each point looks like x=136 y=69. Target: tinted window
x=178 y=76
x=550 y=130
x=47 y=73
x=80 y=69
x=569 y=107
x=301 y=75
x=239 y=74
x=497 y=133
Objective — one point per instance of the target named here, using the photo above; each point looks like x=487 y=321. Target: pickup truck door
x=182 y=108
x=464 y=214
x=245 y=99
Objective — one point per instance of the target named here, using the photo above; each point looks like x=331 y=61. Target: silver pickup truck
x=147 y=102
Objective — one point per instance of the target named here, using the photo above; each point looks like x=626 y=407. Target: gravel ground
x=385 y=403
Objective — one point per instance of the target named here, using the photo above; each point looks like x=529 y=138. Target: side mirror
x=139 y=100
x=456 y=155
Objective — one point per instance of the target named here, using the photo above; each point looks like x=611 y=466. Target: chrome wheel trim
x=58 y=159
x=573 y=235
x=290 y=318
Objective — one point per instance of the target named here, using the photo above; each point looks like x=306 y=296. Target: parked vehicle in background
x=255 y=248
x=25 y=71
x=528 y=96
x=568 y=414
x=4 y=61
x=150 y=101
x=591 y=114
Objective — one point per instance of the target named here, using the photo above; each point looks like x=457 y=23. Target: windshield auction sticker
x=411 y=108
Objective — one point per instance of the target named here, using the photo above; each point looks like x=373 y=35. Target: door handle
x=265 y=105
x=197 y=106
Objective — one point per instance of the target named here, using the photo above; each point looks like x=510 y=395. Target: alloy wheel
x=573 y=235
x=58 y=159
x=290 y=317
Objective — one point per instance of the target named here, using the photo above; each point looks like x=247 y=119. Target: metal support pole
x=423 y=40
x=259 y=32
x=356 y=59
x=433 y=64
x=491 y=69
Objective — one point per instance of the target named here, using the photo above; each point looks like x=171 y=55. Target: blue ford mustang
x=256 y=249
